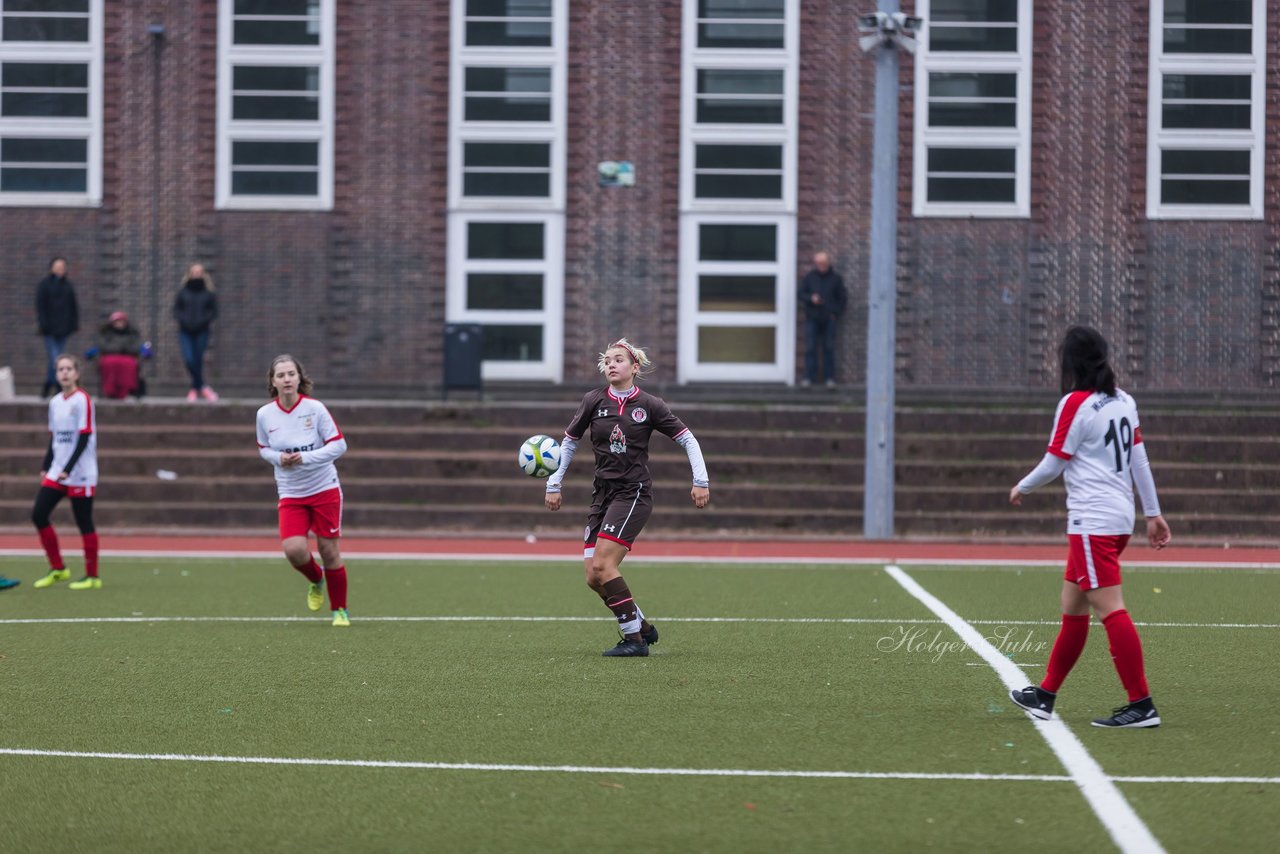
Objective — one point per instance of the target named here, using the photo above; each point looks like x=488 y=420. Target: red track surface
x=827 y=549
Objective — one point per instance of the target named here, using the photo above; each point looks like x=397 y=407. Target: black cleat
x=1140 y=714
x=650 y=635
x=1036 y=701
x=627 y=649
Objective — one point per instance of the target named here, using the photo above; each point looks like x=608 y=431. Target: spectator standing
x=195 y=308
x=823 y=297
x=119 y=347
x=58 y=316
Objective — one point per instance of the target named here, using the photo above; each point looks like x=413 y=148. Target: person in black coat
x=58 y=317
x=823 y=297
x=119 y=349
x=195 y=308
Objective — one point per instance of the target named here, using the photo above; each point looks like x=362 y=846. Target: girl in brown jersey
x=617 y=421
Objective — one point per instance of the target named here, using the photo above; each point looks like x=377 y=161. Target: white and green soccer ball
x=539 y=456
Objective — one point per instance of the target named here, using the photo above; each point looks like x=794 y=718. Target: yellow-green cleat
x=54 y=576
x=87 y=583
x=315 y=596
x=340 y=617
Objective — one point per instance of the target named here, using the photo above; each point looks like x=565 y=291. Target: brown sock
x=617 y=598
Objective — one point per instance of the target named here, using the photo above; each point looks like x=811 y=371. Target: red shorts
x=1093 y=560
x=321 y=513
x=69 y=491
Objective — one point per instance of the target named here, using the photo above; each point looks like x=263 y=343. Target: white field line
x=604 y=770
x=1127 y=830
x=476 y=618
x=574 y=554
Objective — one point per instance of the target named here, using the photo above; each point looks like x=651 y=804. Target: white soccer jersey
x=307 y=428
x=1096 y=434
x=70 y=417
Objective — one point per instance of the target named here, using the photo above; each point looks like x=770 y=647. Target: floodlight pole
x=877 y=499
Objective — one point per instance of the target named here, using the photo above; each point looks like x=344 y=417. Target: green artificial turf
x=743 y=693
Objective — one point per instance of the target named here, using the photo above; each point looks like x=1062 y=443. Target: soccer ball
x=539 y=456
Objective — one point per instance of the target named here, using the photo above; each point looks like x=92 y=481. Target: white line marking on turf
x=875 y=621
x=593 y=769
x=575 y=557
x=1127 y=830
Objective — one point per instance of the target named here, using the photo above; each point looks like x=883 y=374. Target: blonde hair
x=208 y=280
x=638 y=356
x=304 y=381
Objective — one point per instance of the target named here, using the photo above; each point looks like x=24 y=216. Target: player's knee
x=297 y=555
x=40 y=520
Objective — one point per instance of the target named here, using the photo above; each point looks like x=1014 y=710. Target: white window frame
x=780 y=212
x=1252 y=140
x=231 y=130
x=781 y=319
x=551 y=315
x=53 y=127
x=548 y=210
x=1017 y=138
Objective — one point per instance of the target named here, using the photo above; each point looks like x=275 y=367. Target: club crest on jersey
x=638 y=415
x=306 y=423
x=617 y=441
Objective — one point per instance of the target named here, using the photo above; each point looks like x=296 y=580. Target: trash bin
x=463 y=353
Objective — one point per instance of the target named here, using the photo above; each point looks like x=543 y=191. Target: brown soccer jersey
x=618 y=429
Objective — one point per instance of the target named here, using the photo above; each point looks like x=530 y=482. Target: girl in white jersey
x=298 y=437
x=70 y=468
x=1096 y=444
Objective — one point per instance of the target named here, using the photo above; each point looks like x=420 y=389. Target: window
x=1206 y=135
x=506 y=182
x=752 y=24
x=275 y=104
x=738 y=149
x=973 y=140
x=509 y=23
x=50 y=102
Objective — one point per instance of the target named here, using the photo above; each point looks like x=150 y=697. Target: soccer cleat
x=340 y=617
x=1036 y=701
x=54 y=576
x=650 y=636
x=627 y=649
x=1140 y=714
x=89 y=582
x=315 y=596
x=6 y=583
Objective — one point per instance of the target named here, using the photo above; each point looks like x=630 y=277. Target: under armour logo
x=611 y=528
x=601 y=413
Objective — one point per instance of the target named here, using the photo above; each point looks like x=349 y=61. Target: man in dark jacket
x=58 y=317
x=823 y=297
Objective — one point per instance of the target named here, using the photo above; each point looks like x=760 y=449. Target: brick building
x=357 y=174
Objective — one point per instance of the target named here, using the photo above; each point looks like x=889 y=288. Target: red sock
x=336 y=581
x=90 y=554
x=311 y=571
x=1066 y=650
x=49 y=539
x=1126 y=653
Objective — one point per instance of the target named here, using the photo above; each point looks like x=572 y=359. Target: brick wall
x=358 y=292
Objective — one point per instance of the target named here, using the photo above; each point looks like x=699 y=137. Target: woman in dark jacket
x=195 y=308
x=119 y=347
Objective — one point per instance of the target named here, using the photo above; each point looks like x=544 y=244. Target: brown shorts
x=618 y=513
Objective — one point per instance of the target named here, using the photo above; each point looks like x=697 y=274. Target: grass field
x=761 y=668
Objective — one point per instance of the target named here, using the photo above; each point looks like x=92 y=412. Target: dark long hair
x=1084 y=362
